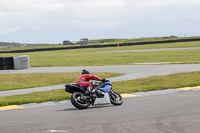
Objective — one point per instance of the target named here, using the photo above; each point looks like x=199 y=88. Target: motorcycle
x=81 y=99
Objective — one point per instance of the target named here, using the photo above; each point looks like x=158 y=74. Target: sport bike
x=82 y=99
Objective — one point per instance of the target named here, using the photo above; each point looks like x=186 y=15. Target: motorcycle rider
x=85 y=78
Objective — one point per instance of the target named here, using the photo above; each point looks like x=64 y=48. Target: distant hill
x=11 y=45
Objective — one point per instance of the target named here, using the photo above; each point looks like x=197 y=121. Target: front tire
x=77 y=102
x=115 y=98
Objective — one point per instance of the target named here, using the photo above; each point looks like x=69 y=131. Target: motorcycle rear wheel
x=77 y=102
x=115 y=98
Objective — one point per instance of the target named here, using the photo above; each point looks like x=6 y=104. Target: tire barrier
x=16 y=62
x=6 y=63
x=100 y=46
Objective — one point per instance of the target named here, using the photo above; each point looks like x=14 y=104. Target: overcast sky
x=52 y=21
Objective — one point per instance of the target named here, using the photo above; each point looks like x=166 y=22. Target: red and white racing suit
x=85 y=78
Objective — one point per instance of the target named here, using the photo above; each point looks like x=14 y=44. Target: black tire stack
x=6 y=63
x=1 y=63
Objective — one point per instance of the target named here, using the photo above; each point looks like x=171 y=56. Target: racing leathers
x=84 y=81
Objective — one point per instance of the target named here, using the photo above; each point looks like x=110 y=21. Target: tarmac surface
x=164 y=113
x=130 y=72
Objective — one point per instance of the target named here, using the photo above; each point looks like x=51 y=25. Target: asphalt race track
x=177 y=112
x=168 y=113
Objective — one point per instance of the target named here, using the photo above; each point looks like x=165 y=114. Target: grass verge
x=30 y=80
x=159 y=82
x=145 y=84
x=93 y=57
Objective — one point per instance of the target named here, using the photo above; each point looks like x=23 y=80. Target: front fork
x=112 y=94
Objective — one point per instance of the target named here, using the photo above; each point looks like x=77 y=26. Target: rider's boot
x=89 y=90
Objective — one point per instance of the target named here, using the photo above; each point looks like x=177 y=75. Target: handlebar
x=99 y=82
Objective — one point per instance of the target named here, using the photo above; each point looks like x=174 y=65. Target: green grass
x=94 y=56
x=36 y=97
x=159 y=82
x=30 y=80
x=145 y=84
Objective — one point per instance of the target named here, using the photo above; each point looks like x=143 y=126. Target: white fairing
x=104 y=100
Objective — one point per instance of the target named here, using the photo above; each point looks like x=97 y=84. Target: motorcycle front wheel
x=78 y=102
x=115 y=98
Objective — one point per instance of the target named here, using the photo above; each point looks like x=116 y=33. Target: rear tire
x=77 y=102
x=115 y=98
